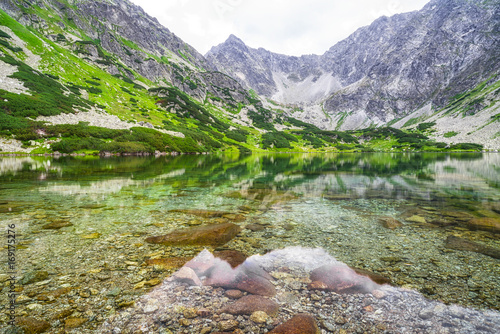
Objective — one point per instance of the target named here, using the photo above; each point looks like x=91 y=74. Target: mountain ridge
x=386 y=70
x=58 y=58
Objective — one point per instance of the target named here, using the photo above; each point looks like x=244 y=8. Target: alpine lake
x=80 y=223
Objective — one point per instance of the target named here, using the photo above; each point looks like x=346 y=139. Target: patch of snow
x=306 y=91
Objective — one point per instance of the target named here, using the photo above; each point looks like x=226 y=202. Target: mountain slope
x=382 y=72
x=104 y=77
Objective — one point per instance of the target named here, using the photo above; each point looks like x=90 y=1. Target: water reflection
x=86 y=219
x=472 y=175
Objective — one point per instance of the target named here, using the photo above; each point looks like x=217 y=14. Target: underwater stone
x=209 y=235
x=300 y=323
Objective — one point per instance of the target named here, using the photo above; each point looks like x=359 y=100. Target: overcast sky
x=292 y=27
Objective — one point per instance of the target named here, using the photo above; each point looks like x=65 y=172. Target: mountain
x=100 y=77
x=383 y=72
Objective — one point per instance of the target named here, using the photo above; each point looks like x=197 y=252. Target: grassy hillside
x=62 y=77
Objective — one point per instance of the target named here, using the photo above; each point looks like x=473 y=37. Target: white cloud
x=292 y=27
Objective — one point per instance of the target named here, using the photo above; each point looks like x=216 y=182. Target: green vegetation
x=450 y=134
x=72 y=71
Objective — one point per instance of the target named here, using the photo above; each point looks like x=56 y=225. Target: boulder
x=250 y=304
x=207 y=235
x=241 y=278
x=457 y=243
x=32 y=325
x=377 y=278
x=340 y=279
x=485 y=224
x=390 y=223
x=298 y=324
x=233 y=257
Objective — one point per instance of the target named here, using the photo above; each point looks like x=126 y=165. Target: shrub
x=274 y=139
x=237 y=135
x=450 y=134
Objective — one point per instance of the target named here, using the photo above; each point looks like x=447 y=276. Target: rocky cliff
x=122 y=39
x=382 y=72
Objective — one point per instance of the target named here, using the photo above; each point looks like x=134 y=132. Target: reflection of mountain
x=13 y=166
x=356 y=175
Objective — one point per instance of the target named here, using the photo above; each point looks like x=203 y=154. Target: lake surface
x=81 y=222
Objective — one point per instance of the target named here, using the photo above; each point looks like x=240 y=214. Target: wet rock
x=71 y=323
x=190 y=313
x=300 y=323
x=32 y=325
x=259 y=317
x=255 y=227
x=250 y=304
x=416 y=219
x=57 y=225
x=456 y=215
x=377 y=278
x=94 y=235
x=485 y=224
x=233 y=257
x=234 y=217
x=457 y=243
x=228 y=325
x=390 y=223
x=187 y=275
x=202 y=213
x=341 y=279
x=34 y=276
x=169 y=263
x=233 y=294
x=209 y=235
x=243 y=278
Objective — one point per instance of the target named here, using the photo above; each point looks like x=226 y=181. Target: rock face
x=381 y=72
x=132 y=37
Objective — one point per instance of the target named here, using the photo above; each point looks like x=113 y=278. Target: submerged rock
x=202 y=213
x=34 y=276
x=32 y=325
x=467 y=245
x=57 y=225
x=485 y=224
x=168 y=263
x=233 y=257
x=300 y=323
x=245 y=278
x=208 y=235
x=390 y=223
x=250 y=304
x=341 y=279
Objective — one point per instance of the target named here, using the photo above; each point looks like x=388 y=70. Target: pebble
x=259 y=317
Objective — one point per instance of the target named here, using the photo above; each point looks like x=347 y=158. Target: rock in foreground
x=179 y=306
x=208 y=235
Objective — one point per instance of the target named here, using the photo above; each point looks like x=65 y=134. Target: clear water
x=333 y=201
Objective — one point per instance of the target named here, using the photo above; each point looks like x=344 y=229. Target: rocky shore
x=300 y=303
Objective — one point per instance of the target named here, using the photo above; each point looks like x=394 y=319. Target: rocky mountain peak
x=383 y=71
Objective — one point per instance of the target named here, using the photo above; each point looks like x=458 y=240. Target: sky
x=291 y=27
